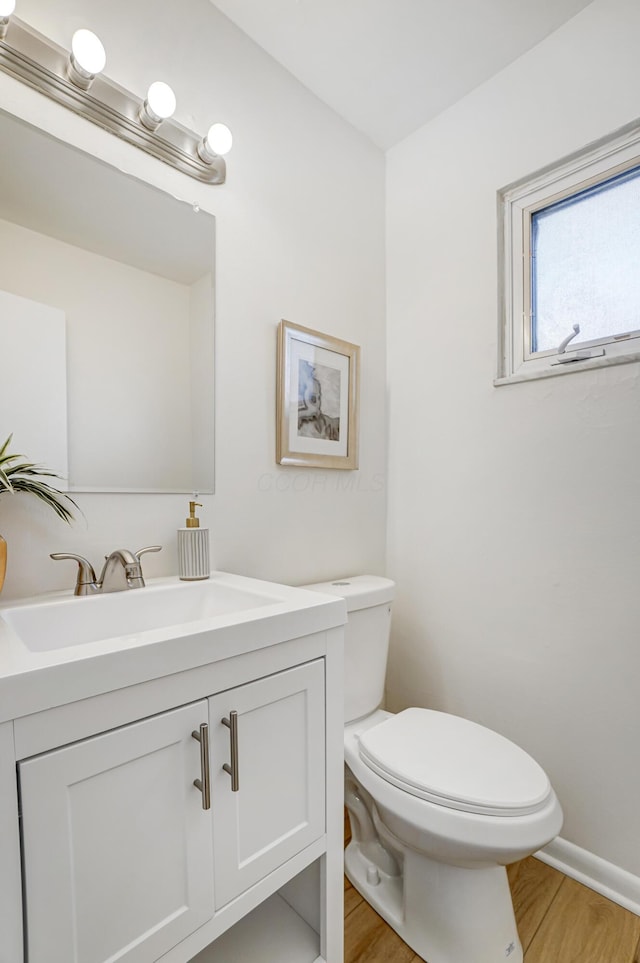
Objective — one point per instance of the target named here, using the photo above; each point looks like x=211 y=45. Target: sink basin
x=54 y=624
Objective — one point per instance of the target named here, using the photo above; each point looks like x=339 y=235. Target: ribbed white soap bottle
x=193 y=547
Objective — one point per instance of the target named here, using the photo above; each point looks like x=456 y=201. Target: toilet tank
x=366 y=639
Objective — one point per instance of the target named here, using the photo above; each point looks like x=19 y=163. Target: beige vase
x=3 y=561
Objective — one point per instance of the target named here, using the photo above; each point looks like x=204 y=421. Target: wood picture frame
x=318 y=383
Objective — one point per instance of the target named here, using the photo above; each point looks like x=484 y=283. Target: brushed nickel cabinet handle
x=204 y=783
x=232 y=724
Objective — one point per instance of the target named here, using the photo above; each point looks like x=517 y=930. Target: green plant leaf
x=19 y=475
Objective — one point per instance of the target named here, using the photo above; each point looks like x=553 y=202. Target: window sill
x=553 y=371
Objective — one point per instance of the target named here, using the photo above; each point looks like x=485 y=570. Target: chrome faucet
x=122 y=570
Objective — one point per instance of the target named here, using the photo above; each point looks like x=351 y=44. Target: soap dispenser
x=193 y=547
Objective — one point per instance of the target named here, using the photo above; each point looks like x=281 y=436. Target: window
x=570 y=263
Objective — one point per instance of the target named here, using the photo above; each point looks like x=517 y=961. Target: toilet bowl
x=438 y=805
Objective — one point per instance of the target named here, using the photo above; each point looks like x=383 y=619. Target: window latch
x=582 y=355
x=562 y=347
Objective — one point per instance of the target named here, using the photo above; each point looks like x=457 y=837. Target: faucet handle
x=86 y=580
x=150 y=548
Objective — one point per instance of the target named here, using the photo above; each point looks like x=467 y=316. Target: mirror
x=106 y=290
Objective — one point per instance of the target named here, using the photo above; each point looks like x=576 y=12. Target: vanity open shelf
x=272 y=933
x=192 y=814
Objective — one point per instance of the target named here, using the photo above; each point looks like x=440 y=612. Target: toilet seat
x=454 y=763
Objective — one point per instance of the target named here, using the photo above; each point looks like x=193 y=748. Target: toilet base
x=446 y=914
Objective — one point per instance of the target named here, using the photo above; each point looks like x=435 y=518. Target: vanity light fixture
x=6 y=9
x=76 y=81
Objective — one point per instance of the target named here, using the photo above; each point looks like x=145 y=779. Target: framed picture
x=317 y=399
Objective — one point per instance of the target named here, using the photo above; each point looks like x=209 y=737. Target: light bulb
x=161 y=100
x=217 y=142
x=88 y=52
x=158 y=106
x=87 y=58
x=219 y=139
x=6 y=9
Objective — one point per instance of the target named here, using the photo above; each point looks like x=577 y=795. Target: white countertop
x=31 y=681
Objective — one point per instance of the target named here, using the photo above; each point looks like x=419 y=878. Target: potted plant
x=19 y=475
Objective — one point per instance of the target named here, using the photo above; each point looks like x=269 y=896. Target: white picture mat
x=301 y=351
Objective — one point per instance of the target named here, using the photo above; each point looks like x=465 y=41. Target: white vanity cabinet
x=122 y=860
x=110 y=850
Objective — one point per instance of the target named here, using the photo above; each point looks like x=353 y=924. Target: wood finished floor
x=559 y=921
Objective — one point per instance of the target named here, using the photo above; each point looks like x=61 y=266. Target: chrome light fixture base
x=43 y=65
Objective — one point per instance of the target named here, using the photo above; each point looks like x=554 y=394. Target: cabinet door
x=117 y=847
x=278 y=808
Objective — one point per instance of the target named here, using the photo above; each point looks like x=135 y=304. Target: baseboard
x=605 y=878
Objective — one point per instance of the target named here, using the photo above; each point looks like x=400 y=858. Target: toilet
x=438 y=805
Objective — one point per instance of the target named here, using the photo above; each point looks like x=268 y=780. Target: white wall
x=514 y=515
x=300 y=235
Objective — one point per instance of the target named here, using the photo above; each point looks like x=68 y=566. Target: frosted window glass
x=586 y=264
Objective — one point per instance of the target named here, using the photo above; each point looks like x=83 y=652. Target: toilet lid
x=454 y=763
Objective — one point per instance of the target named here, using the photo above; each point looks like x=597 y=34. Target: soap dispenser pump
x=193 y=547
